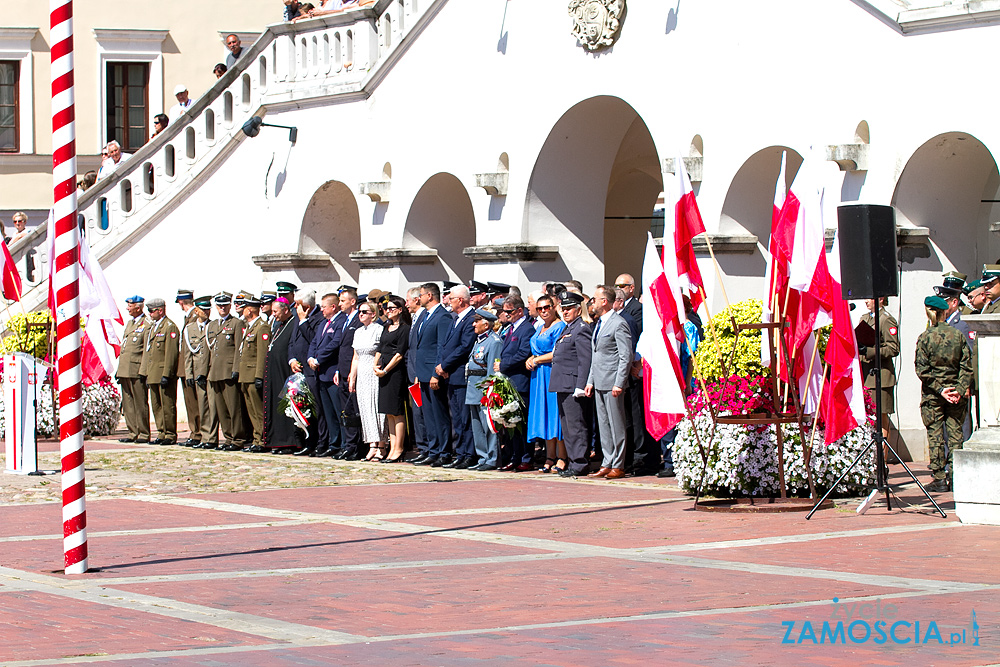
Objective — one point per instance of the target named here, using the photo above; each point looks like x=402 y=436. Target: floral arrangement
x=20 y=340
x=297 y=401
x=502 y=403
x=717 y=344
x=101 y=410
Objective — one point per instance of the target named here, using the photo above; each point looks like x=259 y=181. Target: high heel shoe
x=372 y=451
x=398 y=459
x=549 y=464
x=379 y=456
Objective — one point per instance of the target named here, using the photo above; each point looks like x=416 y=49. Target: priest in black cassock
x=280 y=432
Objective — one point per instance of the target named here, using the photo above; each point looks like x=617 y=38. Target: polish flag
x=659 y=344
x=775 y=273
x=11 y=276
x=843 y=404
x=687 y=225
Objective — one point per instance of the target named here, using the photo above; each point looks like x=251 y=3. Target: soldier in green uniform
x=888 y=349
x=976 y=294
x=253 y=361
x=944 y=365
x=159 y=365
x=135 y=403
x=185 y=299
x=223 y=338
x=991 y=282
x=196 y=367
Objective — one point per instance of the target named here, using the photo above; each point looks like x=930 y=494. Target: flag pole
x=718 y=272
x=66 y=287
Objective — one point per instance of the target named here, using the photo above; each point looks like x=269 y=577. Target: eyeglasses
x=365 y=311
x=623 y=285
x=508 y=311
x=543 y=308
x=389 y=308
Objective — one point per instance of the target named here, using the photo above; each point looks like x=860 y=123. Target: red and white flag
x=660 y=341
x=776 y=273
x=100 y=342
x=687 y=225
x=11 y=277
x=843 y=405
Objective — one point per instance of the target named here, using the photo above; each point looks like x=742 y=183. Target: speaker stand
x=880 y=444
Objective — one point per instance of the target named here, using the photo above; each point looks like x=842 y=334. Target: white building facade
x=461 y=139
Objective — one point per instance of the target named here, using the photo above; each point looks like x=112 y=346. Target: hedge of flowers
x=743 y=459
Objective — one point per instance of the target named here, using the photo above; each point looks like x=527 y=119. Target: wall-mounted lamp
x=251 y=128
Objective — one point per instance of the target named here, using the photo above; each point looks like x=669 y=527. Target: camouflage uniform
x=943 y=360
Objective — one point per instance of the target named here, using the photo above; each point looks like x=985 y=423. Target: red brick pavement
x=561 y=586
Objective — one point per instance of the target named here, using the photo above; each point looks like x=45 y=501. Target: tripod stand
x=879 y=443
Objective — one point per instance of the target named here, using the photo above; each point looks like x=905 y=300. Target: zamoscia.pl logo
x=878 y=623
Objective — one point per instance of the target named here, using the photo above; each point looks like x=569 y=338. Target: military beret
x=990 y=272
x=156 y=302
x=223 y=298
x=184 y=294
x=268 y=296
x=971 y=286
x=486 y=315
x=570 y=299
x=134 y=299
x=285 y=287
x=935 y=302
x=203 y=302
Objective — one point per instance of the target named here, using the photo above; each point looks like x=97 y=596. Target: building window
x=128 y=104
x=9 y=111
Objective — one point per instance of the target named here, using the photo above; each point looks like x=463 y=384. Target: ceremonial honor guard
x=196 y=365
x=135 y=404
x=185 y=299
x=159 y=365
x=253 y=360
x=223 y=337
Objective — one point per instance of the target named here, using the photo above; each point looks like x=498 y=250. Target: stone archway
x=441 y=218
x=331 y=226
x=593 y=191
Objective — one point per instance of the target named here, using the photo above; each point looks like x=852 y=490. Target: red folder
x=415 y=394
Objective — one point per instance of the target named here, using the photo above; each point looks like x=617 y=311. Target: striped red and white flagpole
x=67 y=288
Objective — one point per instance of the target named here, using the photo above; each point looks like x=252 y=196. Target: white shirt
x=178 y=109
x=108 y=166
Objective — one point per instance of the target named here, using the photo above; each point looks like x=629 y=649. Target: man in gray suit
x=609 y=371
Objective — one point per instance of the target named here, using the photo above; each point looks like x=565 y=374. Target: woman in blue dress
x=543 y=406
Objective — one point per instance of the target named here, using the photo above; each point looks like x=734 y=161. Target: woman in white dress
x=364 y=382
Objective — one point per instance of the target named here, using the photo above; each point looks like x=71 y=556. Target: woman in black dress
x=390 y=367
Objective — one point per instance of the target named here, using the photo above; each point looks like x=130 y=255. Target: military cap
x=134 y=299
x=570 y=299
x=486 y=315
x=990 y=272
x=955 y=279
x=203 y=302
x=242 y=296
x=267 y=296
x=184 y=294
x=344 y=288
x=971 y=286
x=251 y=300
x=476 y=287
x=223 y=298
x=447 y=285
x=362 y=297
x=285 y=287
x=156 y=302
x=497 y=288
x=945 y=291
x=936 y=302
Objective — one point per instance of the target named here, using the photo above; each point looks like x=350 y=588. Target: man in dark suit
x=417 y=413
x=641 y=450
x=516 y=350
x=432 y=333
x=609 y=370
x=350 y=426
x=570 y=367
x=451 y=366
x=303 y=331
x=322 y=359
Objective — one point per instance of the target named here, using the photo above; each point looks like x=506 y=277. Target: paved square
x=483 y=569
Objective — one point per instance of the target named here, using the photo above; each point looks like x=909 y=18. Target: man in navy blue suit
x=432 y=333
x=451 y=366
x=416 y=312
x=516 y=350
x=350 y=427
x=322 y=359
x=303 y=332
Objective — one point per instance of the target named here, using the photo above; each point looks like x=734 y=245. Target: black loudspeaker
x=867 y=236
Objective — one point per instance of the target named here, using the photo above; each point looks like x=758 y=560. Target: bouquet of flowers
x=297 y=401
x=501 y=403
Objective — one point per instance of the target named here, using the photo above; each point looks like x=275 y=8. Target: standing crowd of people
x=397 y=378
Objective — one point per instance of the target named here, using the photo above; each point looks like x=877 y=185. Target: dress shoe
x=126 y=439
x=466 y=463
x=231 y=448
x=255 y=449
x=305 y=451
x=440 y=462
x=281 y=451
x=616 y=473
x=426 y=461
x=569 y=472
x=456 y=463
x=525 y=467
x=191 y=442
x=484 y=467
x=346 y=455
x=204 y=445
x=419 y=459
x=603 y=472
x=939 y=486
x=157 y=441
x=510 y=467
x=666 y=472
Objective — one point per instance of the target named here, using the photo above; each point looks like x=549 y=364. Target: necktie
x=597 y=330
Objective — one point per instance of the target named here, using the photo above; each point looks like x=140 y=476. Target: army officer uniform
x=159 y=365
x=135 y=403
x=253 y=361
x=197 y=360
x=223 y=337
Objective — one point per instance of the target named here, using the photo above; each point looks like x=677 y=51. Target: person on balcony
x=183 y=102
x=160 y=122
x=235 y=50
x=115 y=158
x=219 y=70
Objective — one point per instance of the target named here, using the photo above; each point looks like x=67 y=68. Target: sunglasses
x=623 y=285
x=388 y=308
x=508 y=311
x=364 y=311
x=543 y=308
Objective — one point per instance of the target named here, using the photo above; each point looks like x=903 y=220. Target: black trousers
x=576 y=416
